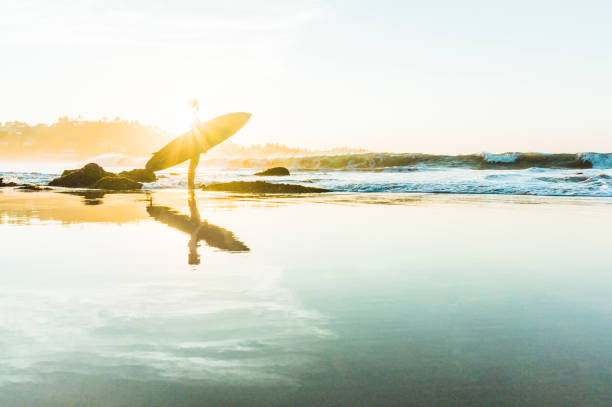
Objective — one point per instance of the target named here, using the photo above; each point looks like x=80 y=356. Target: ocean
x=580 y=174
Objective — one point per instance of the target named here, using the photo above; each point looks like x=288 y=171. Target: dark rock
x=261 y=187
x=94 y=176
x=576 y=178
x=82 y=178
x=66 y=172
x=31 y=187
x=139 y=175
x=274 y=172
x=116 y=183
x=22 y=187
x=7 y=184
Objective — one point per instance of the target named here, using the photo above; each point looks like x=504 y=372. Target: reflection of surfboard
x=197 y=141
x=213 y=235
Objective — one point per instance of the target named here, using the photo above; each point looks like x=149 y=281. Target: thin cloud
x=35 y=24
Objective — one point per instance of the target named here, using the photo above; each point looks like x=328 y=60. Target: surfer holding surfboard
x=201 y=138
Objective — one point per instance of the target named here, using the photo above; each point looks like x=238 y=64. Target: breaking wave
x=411 y=162
x=582 y=174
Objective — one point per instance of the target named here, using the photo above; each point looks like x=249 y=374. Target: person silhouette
x=195 y=160
x=200 y=138
x=197 y=229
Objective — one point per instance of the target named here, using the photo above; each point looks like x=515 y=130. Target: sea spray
x=381 y=161
x=585 y=174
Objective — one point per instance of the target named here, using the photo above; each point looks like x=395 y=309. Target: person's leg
x=193 y=164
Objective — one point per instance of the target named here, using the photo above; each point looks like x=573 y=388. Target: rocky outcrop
x=31 y=187
x=22 y=187
x=94 y=176
x=7 y=184
x=116 y=183
x=261 y=187
x=139 y=175
x=81 y=178
x=66 y=172
x=274 y=172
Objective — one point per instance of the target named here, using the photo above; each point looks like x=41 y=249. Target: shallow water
x=342 y=299
x=596 y=182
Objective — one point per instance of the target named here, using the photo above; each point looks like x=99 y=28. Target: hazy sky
x=411 y=76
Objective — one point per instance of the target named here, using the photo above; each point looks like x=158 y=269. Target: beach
x=305 y=203
x=421 y=299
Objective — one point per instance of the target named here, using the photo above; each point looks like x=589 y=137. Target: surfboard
x=197 y=140
x=214 y=236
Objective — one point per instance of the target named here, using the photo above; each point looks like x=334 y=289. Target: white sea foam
x=419 y=178
x=500 y=158
x=599 y=160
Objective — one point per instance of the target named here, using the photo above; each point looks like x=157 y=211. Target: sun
x=177 y=120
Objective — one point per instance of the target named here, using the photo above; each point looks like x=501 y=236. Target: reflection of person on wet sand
x=213 y=235
x=194 y=256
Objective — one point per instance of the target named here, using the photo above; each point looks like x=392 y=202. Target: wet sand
x=341 y=299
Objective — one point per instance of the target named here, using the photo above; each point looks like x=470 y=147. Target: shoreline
x=445 y=196
x=80 y=196
x=530 y=182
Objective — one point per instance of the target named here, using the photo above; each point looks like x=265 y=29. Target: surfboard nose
x=245 y=116
x=238 y=119
x=234 y=121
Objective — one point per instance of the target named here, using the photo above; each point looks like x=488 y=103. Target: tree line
x=79 y=139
